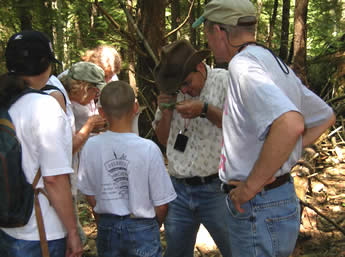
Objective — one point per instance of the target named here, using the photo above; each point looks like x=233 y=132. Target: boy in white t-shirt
x=124 y=179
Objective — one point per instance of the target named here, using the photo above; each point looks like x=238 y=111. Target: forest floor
x=317 y=236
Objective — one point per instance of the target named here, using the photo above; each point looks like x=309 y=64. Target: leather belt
x=226 y=188
x=197 y=181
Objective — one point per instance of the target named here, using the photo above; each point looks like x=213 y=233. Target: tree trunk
x=300 y=38
x=284 y=37
x=131 y=54
x=175 y=17
x=58 y=32
x=23 y=9
x=259 y=9
x=272 y=23
x=151 y=21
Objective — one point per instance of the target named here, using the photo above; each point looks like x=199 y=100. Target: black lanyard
x=281 y=64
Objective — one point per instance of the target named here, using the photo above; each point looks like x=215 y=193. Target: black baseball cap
x=29 y=53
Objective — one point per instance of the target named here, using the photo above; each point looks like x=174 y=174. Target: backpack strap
x=24 y=92
x=39 y=217
x=51 y=87
x=7 y=123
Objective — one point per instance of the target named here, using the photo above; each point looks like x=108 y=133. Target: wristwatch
x=204 y=110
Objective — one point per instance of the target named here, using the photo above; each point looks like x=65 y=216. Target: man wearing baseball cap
x=44 y=133
x=268 y=118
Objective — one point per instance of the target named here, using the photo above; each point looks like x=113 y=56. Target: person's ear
x=136 y=106
x=101 y=112
x=200 y=67
x=216 y=28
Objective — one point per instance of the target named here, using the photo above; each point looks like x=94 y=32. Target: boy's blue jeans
x=124 y=236
x=269 y=226
x=12 y=247
x=195 y=205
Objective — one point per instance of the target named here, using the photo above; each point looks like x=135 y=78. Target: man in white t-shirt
x=46 y=139
x=268 y=117
x=124 y=179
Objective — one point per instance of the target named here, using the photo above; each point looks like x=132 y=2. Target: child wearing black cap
x=46 y=139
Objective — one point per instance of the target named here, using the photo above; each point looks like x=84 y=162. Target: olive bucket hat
x=178 y=59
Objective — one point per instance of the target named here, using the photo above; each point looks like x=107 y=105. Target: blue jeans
x=125 y=236
x=12 y=247
x=195 y=205
x=269 y=225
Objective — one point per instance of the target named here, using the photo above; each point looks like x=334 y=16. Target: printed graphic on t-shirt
x=117 y=186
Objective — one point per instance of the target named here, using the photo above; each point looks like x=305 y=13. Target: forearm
x=60 y=197
x=81 y=136
x=163 y=127
x=310 y=135
x=161 y=213
x=280 y=142
x=215 y=115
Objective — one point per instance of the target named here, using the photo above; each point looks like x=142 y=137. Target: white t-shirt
x=125 y=173
x=54 y=81
x=260 y=92
x=70 y=116
x=46 y=138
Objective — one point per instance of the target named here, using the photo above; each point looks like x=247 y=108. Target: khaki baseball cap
x=227 y=12
x=88 y=72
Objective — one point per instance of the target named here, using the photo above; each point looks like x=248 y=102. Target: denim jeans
x=12 y=247
x=195 y=205
x=269 y=225
x=128 y=237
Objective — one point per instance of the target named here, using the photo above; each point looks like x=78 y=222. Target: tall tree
x=272 y=23
x=300 y=40
x=175 y=17
x=24 y=8
x=130 y=53
x=151 y=20
x=192 y=31
x=284 y=37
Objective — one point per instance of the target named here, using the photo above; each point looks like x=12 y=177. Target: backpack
x=18 y=197
x=16 y=194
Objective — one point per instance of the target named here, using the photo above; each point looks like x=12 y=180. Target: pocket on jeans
x=145 y=237
x=103 y=240
x=235 y=213
x=284 y=231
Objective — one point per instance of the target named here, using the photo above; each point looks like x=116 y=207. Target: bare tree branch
x=141 y=36
x=184 y=22
x=323 y=216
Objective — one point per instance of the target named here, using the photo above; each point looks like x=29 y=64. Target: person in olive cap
x=82 y=84
x=188 y=122
x=268 y=118
x=45 y=136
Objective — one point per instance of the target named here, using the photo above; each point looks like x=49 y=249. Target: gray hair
x=246 y=25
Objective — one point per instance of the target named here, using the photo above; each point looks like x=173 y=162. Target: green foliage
x=326 y=26
x=77 y=25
